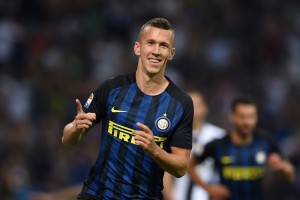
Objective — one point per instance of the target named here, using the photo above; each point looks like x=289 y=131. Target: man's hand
x=218 y=192
x=278 y=164
x=145 y=139
x=83 y=120
x=275 y=162
x=74 y=131
x=175 y=163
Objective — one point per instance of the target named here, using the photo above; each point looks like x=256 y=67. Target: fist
x=275 y=161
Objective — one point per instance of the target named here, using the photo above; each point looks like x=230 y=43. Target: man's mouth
x=153 y=60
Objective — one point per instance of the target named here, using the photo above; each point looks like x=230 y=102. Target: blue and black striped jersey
x=241 y=168
x=123 y=170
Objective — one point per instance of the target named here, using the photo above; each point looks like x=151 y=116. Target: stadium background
x=53 y=51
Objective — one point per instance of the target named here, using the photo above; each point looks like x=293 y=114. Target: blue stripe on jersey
x=116 y=144
x=246 y=162
x=179 y=111
x=147 y=161
x=234 y=185
x=134 y=152
x=105 y=150
x=93 y=188
x=141 y=116
x=162 y=109
x=152 y=167
x=105 y=138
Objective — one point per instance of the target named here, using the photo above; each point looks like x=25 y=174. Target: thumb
x=79 y=107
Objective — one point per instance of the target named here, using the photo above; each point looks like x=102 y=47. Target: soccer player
x=146 y=124
x=203 y=132
x=241 y=157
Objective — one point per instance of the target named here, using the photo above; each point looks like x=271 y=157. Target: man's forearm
x=194 y=176
x=174 y=163
x=288 y=171
x=70 y=135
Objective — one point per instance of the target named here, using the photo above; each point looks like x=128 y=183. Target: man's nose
x=156 y=49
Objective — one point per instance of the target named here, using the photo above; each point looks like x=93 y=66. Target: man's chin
x=153 y=70
x=246 y=132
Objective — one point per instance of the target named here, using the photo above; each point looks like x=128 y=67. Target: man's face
x=244 y=118
x=154 y=48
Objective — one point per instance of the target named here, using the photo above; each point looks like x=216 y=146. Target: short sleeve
x=269 y=139
x=182 y=137
x=96 y=103
x=273 y=146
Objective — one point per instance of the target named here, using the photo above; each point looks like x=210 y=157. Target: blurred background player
x=241 y=157
x=203 y=132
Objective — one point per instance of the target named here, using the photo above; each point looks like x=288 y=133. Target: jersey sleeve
x=269 y=139
x=96 y=103
x=182 y=136
x=208 y=151
x=274 y=148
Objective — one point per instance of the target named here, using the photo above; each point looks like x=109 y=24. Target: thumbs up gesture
x=83 y=120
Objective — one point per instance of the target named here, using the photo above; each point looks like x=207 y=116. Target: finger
x=141 y=139
x=92 y=116
x=140 y=133
x=82 y=126
x=138 y=141
x=83 y=116
x=275 y=156
x=79 y=107
x=143 y=127
x=84 y=121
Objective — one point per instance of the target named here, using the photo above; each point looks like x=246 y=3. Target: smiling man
x=146 y=124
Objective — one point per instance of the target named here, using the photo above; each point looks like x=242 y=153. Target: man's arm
x=76 y=130
x=168 y=186
x=283 y=166
x=176 y=163
x=215 y=191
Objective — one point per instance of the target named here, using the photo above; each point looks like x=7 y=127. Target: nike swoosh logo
x=227 y=159
x=113 y=110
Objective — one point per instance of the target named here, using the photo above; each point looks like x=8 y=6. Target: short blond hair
x=161 y=23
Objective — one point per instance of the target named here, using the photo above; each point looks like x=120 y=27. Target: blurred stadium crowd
x=53 y=51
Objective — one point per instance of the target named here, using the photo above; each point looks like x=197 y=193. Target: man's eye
x=150 y=43
x=164 y=46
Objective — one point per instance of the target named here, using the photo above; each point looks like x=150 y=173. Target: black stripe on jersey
x=149 y=118
x=103 y=176
x=171 y=114
x=132 y=113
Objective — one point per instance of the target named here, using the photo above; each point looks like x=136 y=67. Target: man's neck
x=151 y=85
x=239 y=139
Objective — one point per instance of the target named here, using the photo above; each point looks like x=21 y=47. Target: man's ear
x=137 y=49
x=172 y=53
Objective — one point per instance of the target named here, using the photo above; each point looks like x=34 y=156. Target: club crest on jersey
x=89 y=101
x=163 y=123
x=261 y=157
